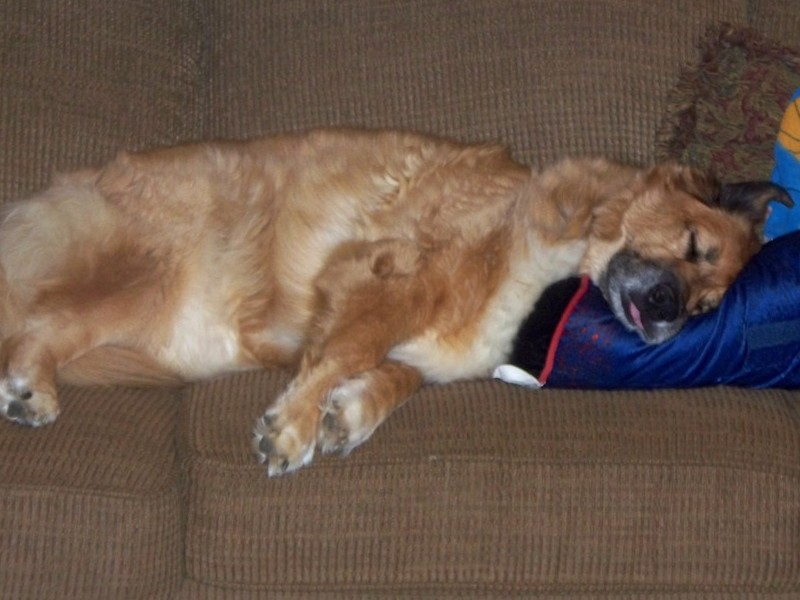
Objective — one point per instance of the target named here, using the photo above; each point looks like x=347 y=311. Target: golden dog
x=371 y=260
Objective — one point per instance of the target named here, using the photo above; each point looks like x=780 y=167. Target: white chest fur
x=440 y=362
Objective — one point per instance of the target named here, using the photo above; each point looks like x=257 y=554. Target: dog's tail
x=115 y=365
x=56 y=237
x=47 y=237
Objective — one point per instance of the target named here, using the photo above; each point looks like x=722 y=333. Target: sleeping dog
x=370 y=261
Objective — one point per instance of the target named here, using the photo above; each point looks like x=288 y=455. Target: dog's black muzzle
x=647 y=297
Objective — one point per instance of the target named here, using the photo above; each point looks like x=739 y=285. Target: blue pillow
x=752 y=339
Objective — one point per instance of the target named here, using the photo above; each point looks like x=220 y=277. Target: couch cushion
x=548 y=78
x=81 y=80
x=90 y=506
x=482 y=488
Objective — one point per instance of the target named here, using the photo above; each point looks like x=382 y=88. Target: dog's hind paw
x=21 y=404
x=280 y=445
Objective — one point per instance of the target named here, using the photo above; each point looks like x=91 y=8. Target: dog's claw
x=280 y=448
x=15 y=411
x=261 y=448
x=265 y=446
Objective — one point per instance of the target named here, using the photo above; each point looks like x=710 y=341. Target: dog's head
x=672 y=246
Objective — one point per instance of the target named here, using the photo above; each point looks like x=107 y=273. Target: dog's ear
x=748 y=198
x=751 y=198
x=703 y=186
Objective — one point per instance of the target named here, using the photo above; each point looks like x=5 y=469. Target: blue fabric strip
x=771 y=335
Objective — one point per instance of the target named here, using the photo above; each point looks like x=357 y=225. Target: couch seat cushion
x=90 y=506
x=482 y=488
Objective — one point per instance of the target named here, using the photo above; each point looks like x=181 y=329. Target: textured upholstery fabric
x=90 y=507
x=82 y=80
x=547 y=78
x=777 y=19
x=482 y=486
x=470 y=490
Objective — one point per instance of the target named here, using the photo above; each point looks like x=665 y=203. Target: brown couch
x=475 y=489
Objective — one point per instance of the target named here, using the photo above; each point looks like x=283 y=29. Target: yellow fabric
x=789 y=135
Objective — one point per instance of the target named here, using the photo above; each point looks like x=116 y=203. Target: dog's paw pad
x=17 y=411
x=334 y=434
x=346 y=422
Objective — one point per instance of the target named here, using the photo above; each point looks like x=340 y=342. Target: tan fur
x=372 y=261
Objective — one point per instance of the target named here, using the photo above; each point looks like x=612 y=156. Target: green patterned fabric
x=725 y=111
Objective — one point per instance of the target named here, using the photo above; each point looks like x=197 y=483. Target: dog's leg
x=28 y=363
x=350 y=411
x=354 y=409
x=372 y=296
x=285 y=437
x=60 y=328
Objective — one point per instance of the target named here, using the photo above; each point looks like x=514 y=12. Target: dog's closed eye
x=696 y=253
x=692 y=252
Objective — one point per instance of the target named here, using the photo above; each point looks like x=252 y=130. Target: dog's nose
x=662 y=303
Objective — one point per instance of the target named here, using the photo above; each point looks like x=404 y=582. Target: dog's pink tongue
x=636 y=316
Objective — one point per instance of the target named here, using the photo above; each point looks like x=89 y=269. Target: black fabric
x=534 y=336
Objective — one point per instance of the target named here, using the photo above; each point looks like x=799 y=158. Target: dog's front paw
x=282 y=444
x=22 y=404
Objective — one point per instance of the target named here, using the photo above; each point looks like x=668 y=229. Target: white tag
x=516 y=376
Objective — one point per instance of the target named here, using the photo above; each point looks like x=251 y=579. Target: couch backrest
x=548 y=77
x=80 y=79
